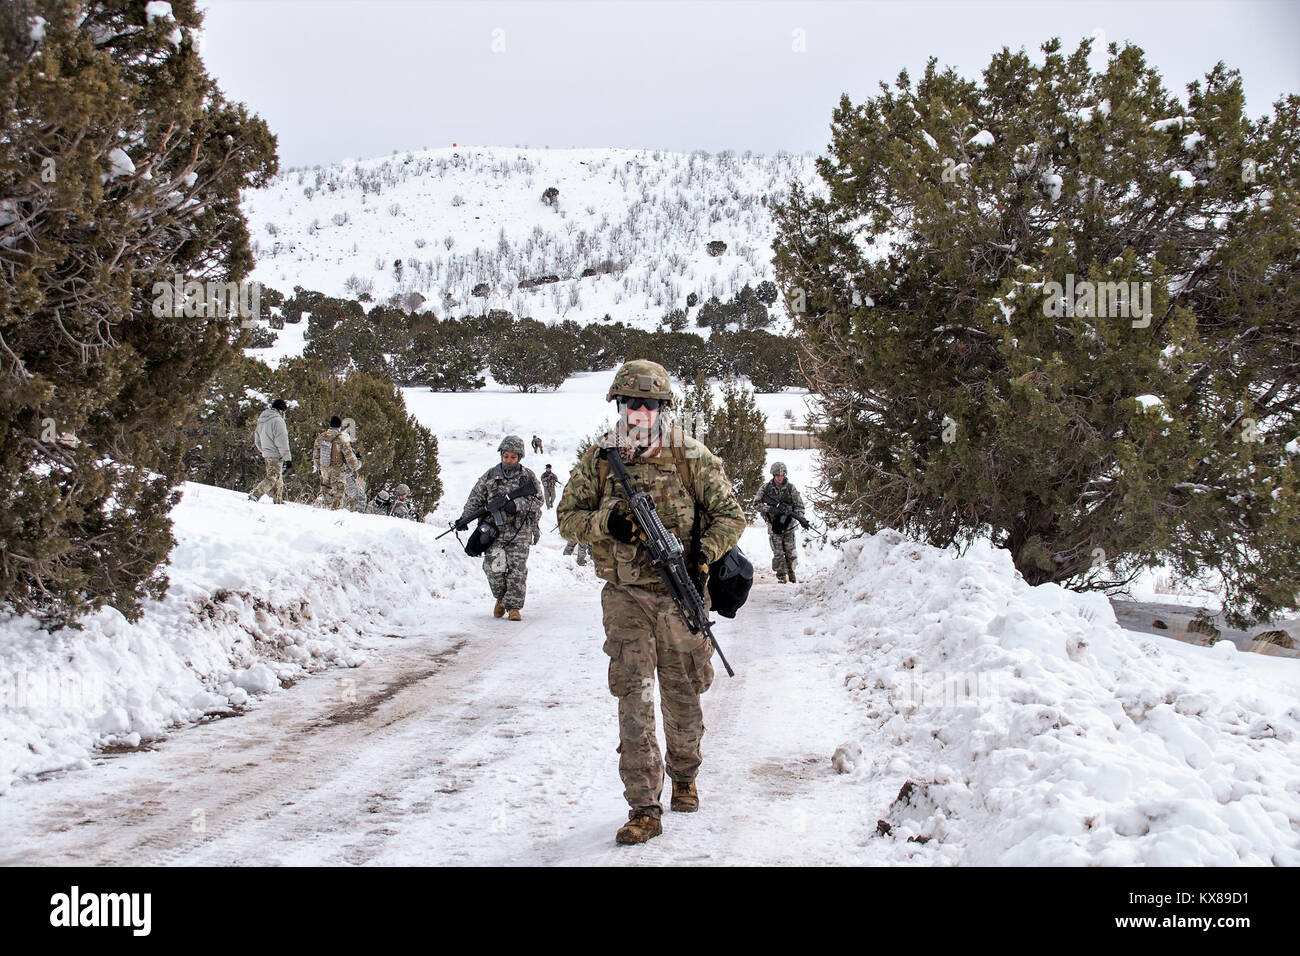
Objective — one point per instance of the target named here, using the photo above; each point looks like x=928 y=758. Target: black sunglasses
x=635 y=403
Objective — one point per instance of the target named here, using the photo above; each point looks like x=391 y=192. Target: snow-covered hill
x=458 y=217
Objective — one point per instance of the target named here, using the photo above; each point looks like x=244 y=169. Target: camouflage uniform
x=583 y=549
x=506 y=562
x=644 y=632
x=271 y=438
x=549 y=482
x=355 y=491
x=404 y=507
x=381 y=505
x=770 y=497
x=333 y=483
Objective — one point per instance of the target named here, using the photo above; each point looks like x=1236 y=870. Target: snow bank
x=261 y=594
x=1021 y=725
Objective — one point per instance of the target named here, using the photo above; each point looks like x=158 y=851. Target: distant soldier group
x=333 y=459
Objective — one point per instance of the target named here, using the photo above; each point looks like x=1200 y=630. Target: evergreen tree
x=121 y=166
x=974 y=319
x=736 y=434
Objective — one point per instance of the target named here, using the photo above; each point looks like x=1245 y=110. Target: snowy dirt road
x=477 y=742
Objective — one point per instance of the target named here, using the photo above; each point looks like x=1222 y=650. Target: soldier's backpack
x=327 y=452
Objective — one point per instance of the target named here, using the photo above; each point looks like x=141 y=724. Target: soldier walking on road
x=271 y=439
x=330 y=453
x=506 y=561
x=781 y=506
x=549 y=482
x=583 y=549
x=645 y=634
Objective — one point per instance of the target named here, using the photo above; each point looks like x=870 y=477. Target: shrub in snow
x=967 y=398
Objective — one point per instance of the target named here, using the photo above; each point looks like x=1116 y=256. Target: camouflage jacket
x=495 y=482
x=772 y=496
x=550 y=479
x=404 y=509
x=339 y=450
x=592 y=493
x=377 y=507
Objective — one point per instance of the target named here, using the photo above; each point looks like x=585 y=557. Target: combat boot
x=780 y=579
x=793 y=579
x=641 y=825
x=515 y=615
x=686 y=799
x=499 y=610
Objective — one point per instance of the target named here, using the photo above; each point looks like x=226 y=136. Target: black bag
x=730 y=578
x=481 y=539
x=781 y=523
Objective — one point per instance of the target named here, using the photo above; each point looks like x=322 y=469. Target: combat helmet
x=512 y=443
x=778 y=468
x=641 y=378
x=384 y=495
x=402 y=490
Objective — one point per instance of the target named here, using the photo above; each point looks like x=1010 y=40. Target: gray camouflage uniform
x=770 y=497
x=506 y=562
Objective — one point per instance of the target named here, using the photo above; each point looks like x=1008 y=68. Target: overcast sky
x=360 y=78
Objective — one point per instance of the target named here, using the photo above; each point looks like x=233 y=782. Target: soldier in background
x=403 y=507
x=330 y=453
x=355 y=489
x=583 y=550
x=506 y=561
x=382 y=504
x=550 y=480
x=537 y=445
x=271 y=439
x=645 y=634
x=776 y=496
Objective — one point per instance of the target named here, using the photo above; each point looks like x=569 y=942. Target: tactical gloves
x=288 y=466
x=621 y=526
x=502 y=503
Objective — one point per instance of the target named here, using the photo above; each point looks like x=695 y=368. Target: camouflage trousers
x=506 y=567
x=785 y=554
x=644 y=634
x=273 y=482
x=584 y=550
x=333 y=487
x=550 y=497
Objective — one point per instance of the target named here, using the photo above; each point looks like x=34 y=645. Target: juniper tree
x=976 y=318
x=736 y=434
x=121 y=166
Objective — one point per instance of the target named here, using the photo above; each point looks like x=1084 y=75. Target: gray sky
x=360 y=78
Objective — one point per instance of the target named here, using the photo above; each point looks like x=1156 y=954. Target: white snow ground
x=418 y=729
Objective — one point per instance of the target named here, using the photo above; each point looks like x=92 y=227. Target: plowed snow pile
x=1021 y=725
x=260 y=594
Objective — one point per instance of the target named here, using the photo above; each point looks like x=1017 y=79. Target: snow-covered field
x=376 y=713
x=457 y=217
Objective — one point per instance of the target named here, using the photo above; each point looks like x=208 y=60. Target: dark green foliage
x=94 y=386
x=736 y=433
x=769 y=361
x=392 y=446
x=960 y=400
x=535 y=356
x=716 y=248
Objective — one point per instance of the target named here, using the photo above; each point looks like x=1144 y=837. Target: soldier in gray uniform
x=777 y=496
x=550 y=481
x=403 y=506
x=583 y=550
x=382 y=504
x=506 y=562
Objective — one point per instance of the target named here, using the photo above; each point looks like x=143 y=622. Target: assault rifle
x=523 y=491
x=784 y=513
x=667 y=555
